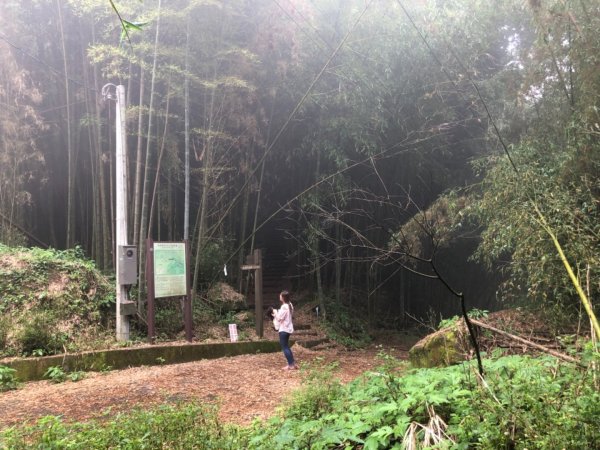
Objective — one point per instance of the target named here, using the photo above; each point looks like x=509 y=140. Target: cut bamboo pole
x=526 y=342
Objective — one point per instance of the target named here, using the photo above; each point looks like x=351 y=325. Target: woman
x=283 y=322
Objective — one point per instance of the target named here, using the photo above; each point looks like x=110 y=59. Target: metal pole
x=121 y=209
x=258 y=300
x=187 y=308
x=150 y=288
x=186 y=203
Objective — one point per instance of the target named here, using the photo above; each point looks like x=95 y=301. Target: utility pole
x=122 y=303
x=121 y=210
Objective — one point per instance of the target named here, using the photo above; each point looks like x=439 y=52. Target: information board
x=170 y=277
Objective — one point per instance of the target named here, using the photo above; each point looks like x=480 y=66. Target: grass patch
x=186 y=426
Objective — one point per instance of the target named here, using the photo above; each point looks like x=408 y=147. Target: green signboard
x=170 y=274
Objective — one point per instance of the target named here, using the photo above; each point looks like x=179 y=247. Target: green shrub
x=562 y=180
x=534 y=403
x=319 y=389
x=174 y=427
x=78 y=375
x=4 y=329
x=8 y=380
x=11 y=236
x=169 y=317
x=42 y=290
x=229 y=317
x=473 y=314
x=212 y=258
x=38 y=333
x=56 y=374
x=345 y=326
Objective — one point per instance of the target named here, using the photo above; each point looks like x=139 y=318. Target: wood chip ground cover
x=245 y=387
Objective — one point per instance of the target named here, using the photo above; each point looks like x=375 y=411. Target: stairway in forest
x=275 y=277
x=307 y=337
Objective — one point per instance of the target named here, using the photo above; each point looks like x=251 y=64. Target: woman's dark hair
x=285 y=295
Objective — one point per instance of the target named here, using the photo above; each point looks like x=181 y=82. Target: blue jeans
x=284 y=341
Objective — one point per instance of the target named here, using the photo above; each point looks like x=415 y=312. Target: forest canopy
x=364 y=138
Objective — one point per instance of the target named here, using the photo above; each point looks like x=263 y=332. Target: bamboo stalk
x=584 y=299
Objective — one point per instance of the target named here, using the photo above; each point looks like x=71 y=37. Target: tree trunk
x=94 y=244
x=138 y=160
x=146 y=187
x=243 y=230
x=70 y=156
x=103 y=218
x=316 y=252
x=338 y=264
x=206 y=185
x=158 y=164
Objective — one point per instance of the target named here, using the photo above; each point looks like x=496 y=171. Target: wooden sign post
x=254 y=262
x=167 y=268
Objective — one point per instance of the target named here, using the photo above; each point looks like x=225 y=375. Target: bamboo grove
x=363 y=136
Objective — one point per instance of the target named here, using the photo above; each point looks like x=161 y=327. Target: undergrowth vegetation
x=54 y=301
x=50 y=300
x=174 y=427
x=345 y=326
x=523 y=402
x=8 y=379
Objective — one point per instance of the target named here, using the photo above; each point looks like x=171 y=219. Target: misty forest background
x=367 y=140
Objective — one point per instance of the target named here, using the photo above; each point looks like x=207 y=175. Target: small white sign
x=233 y=333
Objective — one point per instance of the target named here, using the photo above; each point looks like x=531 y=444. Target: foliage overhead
x=408 y=108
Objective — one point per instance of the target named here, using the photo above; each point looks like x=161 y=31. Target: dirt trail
x=238 y=384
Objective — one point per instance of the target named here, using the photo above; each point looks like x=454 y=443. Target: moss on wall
x=28 y=369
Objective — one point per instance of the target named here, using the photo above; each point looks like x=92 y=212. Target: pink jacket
x=284 y=318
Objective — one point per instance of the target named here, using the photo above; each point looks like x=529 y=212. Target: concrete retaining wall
x=28 y=369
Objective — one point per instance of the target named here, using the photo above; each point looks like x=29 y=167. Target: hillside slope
x=51 y=301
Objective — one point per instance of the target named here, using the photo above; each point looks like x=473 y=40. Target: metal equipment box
x=128 y=308
x=127 y=264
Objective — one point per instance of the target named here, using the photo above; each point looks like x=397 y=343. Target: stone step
x=324 y=346
x=311 y=343
x=274 y=272
x=302 y=326
x=299 y=333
